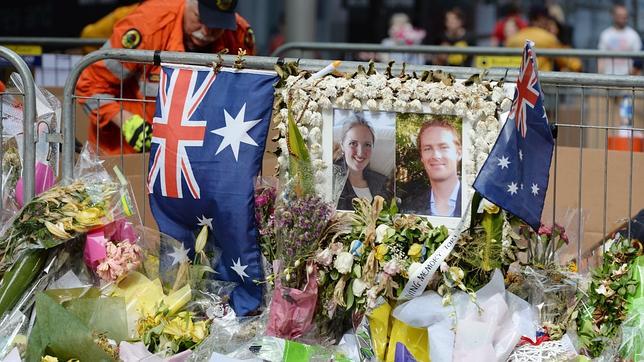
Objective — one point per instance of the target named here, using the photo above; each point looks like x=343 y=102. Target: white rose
x=383 y=232
x=506 y=104
x=343 y=262
x=358 y=287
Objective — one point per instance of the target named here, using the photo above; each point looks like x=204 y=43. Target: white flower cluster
x=479 y=104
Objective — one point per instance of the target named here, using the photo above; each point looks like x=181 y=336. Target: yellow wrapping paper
x=142 y=297
x=379 y=325
x=415 y=339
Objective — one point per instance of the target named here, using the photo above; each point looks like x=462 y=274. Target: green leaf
x=476 y=201
x=350 y=297
x=393 y=207
x=334 y=274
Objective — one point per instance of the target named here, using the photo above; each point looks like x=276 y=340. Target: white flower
x=284 y=113
x=460 y=108
x=315 y=135
x=400 y=105
x=372 y=104
x=444 y=267
x=498 y=94
x=506 y=104
x=447 y=107
x=319 y=164
x=306 y=117
x=378 y=81
x=605 y=290
x=386 y=93
x=283 y=145
x=404 y=95
x=319 y=177
x=304 y=131
x=324 y=102
x=383 y=231
x=316 y=150
x=489 y=108
x=358 y=287
x=316 y=119
x=415 y=105
x=394 y=83
x=386 y=104
x=281 y=128
x=413 y=267
x=434 y=107
x=282 y=161
x=343 y=262
x=313 y=105
x=392 y=267
x=324 y=257
x=355 y=104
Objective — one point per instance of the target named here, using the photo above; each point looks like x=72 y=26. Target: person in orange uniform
x=542 y=38
x=168 y=25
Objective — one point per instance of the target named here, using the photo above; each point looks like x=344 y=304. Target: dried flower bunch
x=299 y=224
x=57 y=215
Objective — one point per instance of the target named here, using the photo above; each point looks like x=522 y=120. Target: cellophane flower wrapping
x=66 y=211
x=292 y=309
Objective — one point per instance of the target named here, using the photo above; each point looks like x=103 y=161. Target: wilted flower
x=336 y=248
x=544 y=230
x=343 y=262
x=121 y=259
x=324 y=257
x=372 y=297
x=490 y=207
x=392 y=267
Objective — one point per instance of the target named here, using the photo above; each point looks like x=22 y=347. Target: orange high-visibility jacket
x=154 y=25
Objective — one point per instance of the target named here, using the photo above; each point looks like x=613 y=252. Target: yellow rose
x=415 y=251
x=381 y=251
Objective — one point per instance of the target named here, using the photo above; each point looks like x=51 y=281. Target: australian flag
x=209 y=135
x=515 y=174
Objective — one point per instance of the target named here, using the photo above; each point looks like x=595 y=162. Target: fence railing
x=29 y=118
x=582 y=177
x=439 y=49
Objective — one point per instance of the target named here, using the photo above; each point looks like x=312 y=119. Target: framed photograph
x=420 y=143
x=364 y=155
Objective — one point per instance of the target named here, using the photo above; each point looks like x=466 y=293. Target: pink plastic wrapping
x=292 y=310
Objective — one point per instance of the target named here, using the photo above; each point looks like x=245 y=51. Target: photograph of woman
x=364 y=154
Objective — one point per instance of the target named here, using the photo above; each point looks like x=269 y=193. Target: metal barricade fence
x=28 y=101
x=596 y=188
x=489 y=56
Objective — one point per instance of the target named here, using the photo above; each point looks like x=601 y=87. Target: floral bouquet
x=112 y=251
x=369 y=260
x=549 y=287
x=299 y=225
x=605 y=306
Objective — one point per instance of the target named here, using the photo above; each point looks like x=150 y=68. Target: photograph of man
x=360 y=168
x=440 y=152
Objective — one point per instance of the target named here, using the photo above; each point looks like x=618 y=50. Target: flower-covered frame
x=482 y=105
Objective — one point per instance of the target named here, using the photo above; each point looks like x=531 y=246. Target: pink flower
x=544 y=230
x=324 y=257
x=121 y=259
x=336 y=248
x=392 y=268
x=372 y=297
x=261 y=200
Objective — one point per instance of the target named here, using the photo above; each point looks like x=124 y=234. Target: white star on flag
x=239 y=269
x=203 y=220
x=504 y=162
x=512 y=188
x=521 y=155
x=179 y=256
x=236 y=132
x=535 y=189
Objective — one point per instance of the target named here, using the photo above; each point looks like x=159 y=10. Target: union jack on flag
x=208 y=140
x=526 y=92
x=515 y=174
x=173 y=131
